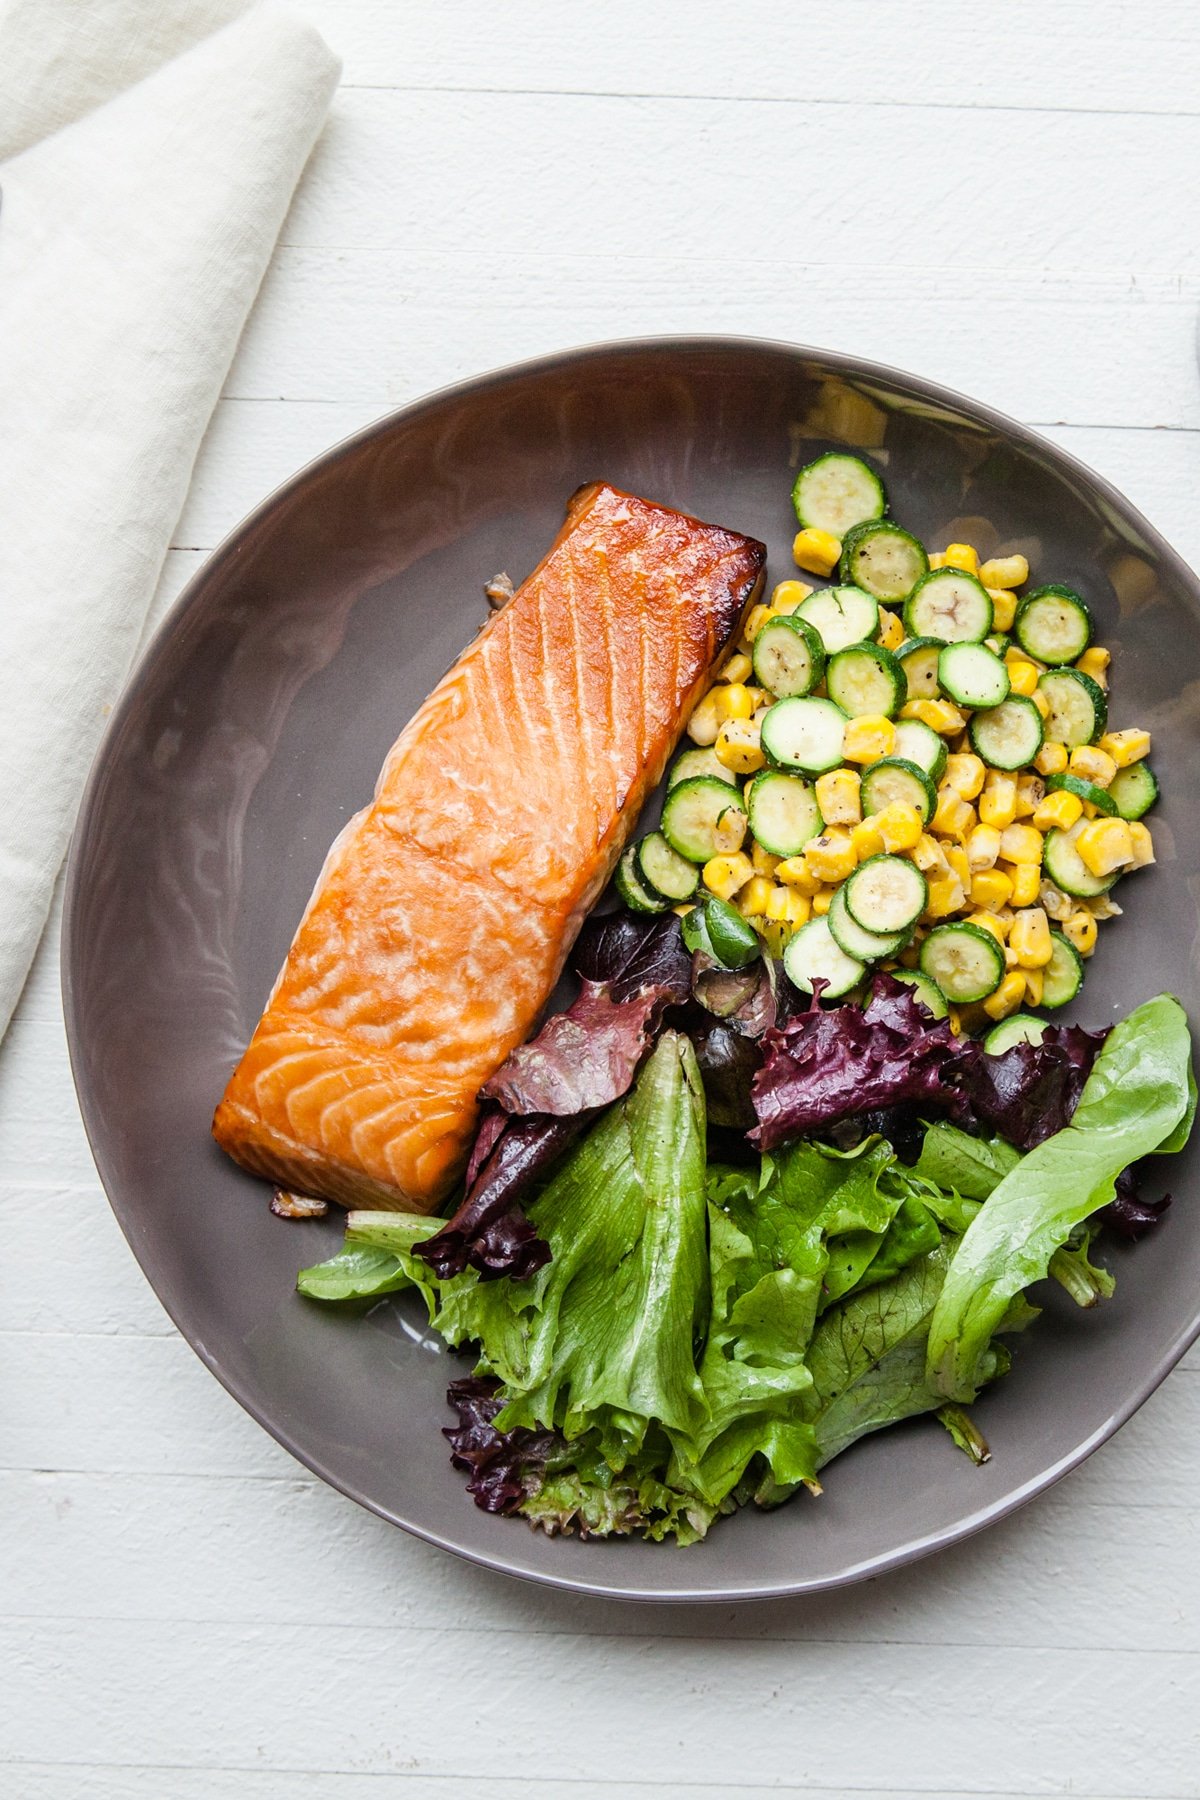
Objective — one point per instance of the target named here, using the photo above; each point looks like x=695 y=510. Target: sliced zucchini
x=732 y=942
x=814 y=954
x=867 y=946
x=951 y=605
x=918 y=657
x=928 y=992
x=804 y=734
x=1078 y=710
x=919 y=743
x=703 y=817
x=1009 y=735
x=892 y=778
x=664 y=871
x=837 y=492
x=1022 y=1028
x=632 y=890
x=884 y=559
x=784 y=815
x=972 y=675
x=885 y=894
x=789 y=657
x=866 y=678
x=1133 y=791
x=1053 y=625
x=1062 y=976
x=699 y=762
x=840 y=616
x=965 y=961
x=1067 y=869
x=1087 y=791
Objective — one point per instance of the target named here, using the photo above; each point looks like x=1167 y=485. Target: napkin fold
x=152 y=153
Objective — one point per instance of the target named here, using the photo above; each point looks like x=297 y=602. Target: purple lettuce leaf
x=489 y=1231
x=1128 y=1213
x=502 y=1467
x=634 y=956
x=1028 y=1092
x=582 y=1058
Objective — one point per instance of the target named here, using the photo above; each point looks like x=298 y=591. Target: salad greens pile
x=706 y=1332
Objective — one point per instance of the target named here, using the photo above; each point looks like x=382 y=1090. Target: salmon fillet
x=445 y=910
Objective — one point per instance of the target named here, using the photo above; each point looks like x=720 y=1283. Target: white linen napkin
x=153 y=151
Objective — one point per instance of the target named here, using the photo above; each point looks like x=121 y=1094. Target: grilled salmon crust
x=446 y=908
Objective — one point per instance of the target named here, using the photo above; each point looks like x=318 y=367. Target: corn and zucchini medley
x=910 y=769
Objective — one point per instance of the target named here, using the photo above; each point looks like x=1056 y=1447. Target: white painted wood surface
x=1002 y=197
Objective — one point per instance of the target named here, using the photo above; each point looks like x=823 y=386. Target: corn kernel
x=736 y=667
x=776 y=899
x=1004 y=572
x=822 y=900
x=738 y=747
x=1031 y=791
x=1030 y=938
x=1010 y=957
x=1143 y=844
x=991 y=887
x=998 y=801
x=953 y=817
x=787 y=596
x=867 y=738
x=1040 y=701
x=704 y=723
x=965 y=774
x=733 y=701
x=1058 y=812
x=1014 y=654
x=799 y=909
x=1093 y=764
x=1105 y=845
x=1026 y=878
x=1035 y=980
x=1054 y=903
x=1125 y=747
x=987 y=921
x=1104 y=907
x=756 y=618
x=891 y=630
x=838 y=797
x=1022 y=677
x=773 y=934
x=816 y=551
x=754 y=901
x=929 y=856
x=832 y=856
x=1021 y=844
x=726 y=876
x=937 y=559
x=899 y=825
x=982 y=847
x=939 y=715
x=1007 y=997
x=945 y=897
x=1004 y=608
x=797 y=874
x=956 y=856
x=1094 y=662
x=764 y=862
x=961 y=556
x=1081 y=929
x=1051 y=759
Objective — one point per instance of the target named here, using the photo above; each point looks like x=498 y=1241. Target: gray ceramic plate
x=256 y=724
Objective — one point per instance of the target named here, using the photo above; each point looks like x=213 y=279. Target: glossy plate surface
x=256 y=725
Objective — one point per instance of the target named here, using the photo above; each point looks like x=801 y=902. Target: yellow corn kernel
x=738 y=746
x=953 y=817
x=956 y=856
x=754 y=901
x=764 y=862
x=733 y=700
x=704 y=723
x=726 y=876
x=983 y=847
x=1022 y=677
x=929 y=856
x=1051 y=759
x=1105 y=845
x=1031 y=791
x=1021 y=844
x=816 y=551
x=773 y=934
x=899 y=825
x=1030 y=938
x=1094 y=662
x=776 y=902
x=1054 y=903
x=991 y=887
x=965 y=774
x=867 y=839
x=998 y=801
x=1058 y=812
x=1104 y=907
x=838 y=797
x=868 y=737
x=1004 y=572
x=787 y=596
x=1007 y=997
x=1014 y=654
x=736 y=668
x=822 y=900
x=1034 y=983
x=1040 y=701
x=891 y=630
x=939 y=715
x=1125 y=747
x=961 y=556
x=945 y=897
x=799 y=909
x=756 y=618
x=987 y=921
x=1004 y=608
x=1081 y=929
x=937 y=559
x=832 y=856
x=1143 y=844
x=1093 y=764
x=1026 y=878
x=797 y=874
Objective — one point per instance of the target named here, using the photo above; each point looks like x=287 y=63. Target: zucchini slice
x=964 y=960
x=1062 y=976
x=866 y=678
x=972 y=675
x=918 y=657
x=804 y=734
x=928 y=992
x=837 y=492
x=951 y=605
x=1133 y=791
x=886 y=894
x=1009 y=735
x=699 y=762
x=784 y=815
x=789 y=657
x=1067 y=869
x=632 y=890
x=884 y=559
x=1053 y=625
x=1087 y=791
x=866 y=946
x=1078 y=710
x=664 y=871
x=919 y=743
x=893 y=778
x=703 y=817
x=814 y=954
x=1021 y=1028
x=840 y=616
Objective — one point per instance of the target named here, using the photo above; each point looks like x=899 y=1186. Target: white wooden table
x=1001 y=197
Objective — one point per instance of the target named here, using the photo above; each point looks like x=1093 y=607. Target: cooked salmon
x=441 y=920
